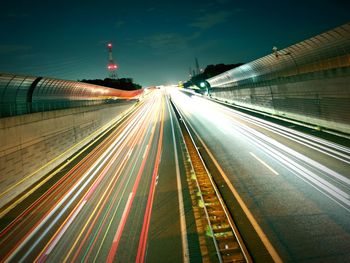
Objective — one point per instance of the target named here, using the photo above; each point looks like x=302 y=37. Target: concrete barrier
x=31 y=145
x=307 y=82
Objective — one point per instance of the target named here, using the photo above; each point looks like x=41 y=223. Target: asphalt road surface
x=294 y=187
x=120 y=203
x=126 y=199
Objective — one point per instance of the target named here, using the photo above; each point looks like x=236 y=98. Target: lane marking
x=264 y=239
x=265 y=164
x=302 y=169
x=263 y=140
x=99 y=133
x=97 y=210
x=141 y=251
x=299 y=137
x=144 y=154
x=119 y=232
x=104 y=128
x=143 y=131
x=74 y=192
x=183 y=226
x=115 y=244
x=77 y=251
x=63 y=230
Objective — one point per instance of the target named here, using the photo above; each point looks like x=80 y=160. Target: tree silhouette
x=122 y=84
x=210 y=71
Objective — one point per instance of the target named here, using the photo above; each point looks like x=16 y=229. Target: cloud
x=8 y=49
x=211 y=19
x=119 y=24
x=168 y=41
x=207 y=45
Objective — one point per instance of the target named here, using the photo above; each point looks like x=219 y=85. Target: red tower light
x=111 y=66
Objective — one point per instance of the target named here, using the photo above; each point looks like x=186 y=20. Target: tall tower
x=197 y=66
x=112 y=67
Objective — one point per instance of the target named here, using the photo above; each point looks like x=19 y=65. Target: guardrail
x=227 y=241
x=28 y=94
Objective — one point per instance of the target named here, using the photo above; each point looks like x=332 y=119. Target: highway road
x=107 y=206
x=126 y=199
x=294 y=188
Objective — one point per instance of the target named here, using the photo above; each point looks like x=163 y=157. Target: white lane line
x=184 y=240
x=144 y=154
x=263 y=139
x=270 y=248
x=58 y=237
x=265 y=164
x=329 y=148
x=123 y=219
x=72 y=195
x=327 y=188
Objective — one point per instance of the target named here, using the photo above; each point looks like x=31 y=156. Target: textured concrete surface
x=31 y=145
x=320 y=102
x=307 y=82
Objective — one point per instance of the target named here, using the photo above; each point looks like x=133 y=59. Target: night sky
x=155 y=42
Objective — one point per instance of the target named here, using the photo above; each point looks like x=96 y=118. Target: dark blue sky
x=155 y=42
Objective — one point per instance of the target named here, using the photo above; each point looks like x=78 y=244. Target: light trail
x=133 y=137
x=119 y=232
x=281 y=153
x=80 y=205
x=88 y=177
x=121 y=226
x=313 y=183
x=146 y=222
x=93 y=192
x=111 y=124
x=331 y=149
x=185 y=250
x=55 y=190
x=319 y=176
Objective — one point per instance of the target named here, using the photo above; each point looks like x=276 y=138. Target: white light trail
x=230 y=123
x=77 y=189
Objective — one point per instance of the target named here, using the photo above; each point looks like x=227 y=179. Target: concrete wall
x=308 y=82
x=31 y=144
x=323 y=101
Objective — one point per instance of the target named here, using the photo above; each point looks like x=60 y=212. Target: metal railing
x=14 y=109
x=227 y=241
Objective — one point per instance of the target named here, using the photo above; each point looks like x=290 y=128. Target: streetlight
x=278 y=54
x=206 y=85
